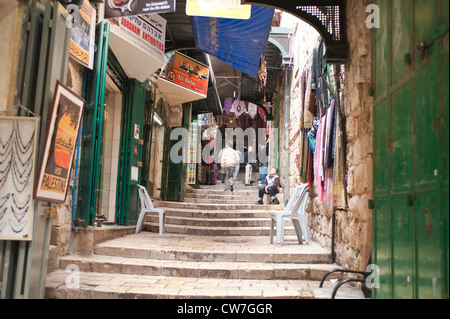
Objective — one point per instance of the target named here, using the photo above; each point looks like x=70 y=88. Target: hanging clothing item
x=302 y=99
x=317 y=80
x=310 y=102
x=228 y=105
x=319 y=172
x=239 y=107
x=329 y=136
x=252 y=110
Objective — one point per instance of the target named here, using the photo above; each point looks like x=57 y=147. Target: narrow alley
x=151 y=149
x=216 y=245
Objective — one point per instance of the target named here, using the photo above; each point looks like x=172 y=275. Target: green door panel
x=425 y=25
x=382 y=148
x=403 y=250
x=130 y=166
x=429 y=246
x=91 y=134
x=427 y=138
x=411 y=159
x=382 y=245
x=402 y=138
x=402 y=42
x=381 y=54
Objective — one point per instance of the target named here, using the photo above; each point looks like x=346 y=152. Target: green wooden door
x=91 y=137
x=174 y=173
x=410 y=118
x=132 y=143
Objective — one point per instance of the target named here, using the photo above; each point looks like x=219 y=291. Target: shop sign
x=147 y=33
x=114 y=76
x=122 y=8
x=231 y=9
x=188 y=73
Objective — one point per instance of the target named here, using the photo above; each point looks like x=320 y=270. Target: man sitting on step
x=270 y=186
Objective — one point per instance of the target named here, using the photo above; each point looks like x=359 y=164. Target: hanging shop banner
x=122 y=8
x=188 y=73
x=231 y=9
x=60 y=142
x=17 y=157
x=82 y=36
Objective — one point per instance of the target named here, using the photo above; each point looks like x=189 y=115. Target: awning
x=175 y=94
x=240 y=43
x=138 y=44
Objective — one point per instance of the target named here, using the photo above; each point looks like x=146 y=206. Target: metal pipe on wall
x=286 y=127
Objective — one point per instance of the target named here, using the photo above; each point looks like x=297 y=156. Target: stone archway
x=328 y=17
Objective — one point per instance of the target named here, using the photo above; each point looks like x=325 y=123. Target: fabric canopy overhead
x=239 y=43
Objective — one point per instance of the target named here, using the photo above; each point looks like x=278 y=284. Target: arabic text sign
x=122 y=8
x=231 y=9
x=188 y=73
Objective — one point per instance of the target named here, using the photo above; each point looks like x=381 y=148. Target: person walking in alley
x=270 y=186
x=249 y=160
x=229 y=160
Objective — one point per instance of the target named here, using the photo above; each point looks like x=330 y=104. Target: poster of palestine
x=17 y=161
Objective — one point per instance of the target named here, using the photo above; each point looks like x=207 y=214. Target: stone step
x=94 y=285
x=247 y=201
x=214 y=222
x=346 y=292
x=213 y=206
x=220 y=191
x=147 y=245
x=229 y=196
x=217 y=213
x=175 y=268
x=215 y=231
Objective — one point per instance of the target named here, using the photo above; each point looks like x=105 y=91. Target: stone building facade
x=353 y=228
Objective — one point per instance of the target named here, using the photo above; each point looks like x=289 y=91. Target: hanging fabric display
x=261 y=112
x=310 y=102
x=238 y=107
x=252 y=110
x=228 y=105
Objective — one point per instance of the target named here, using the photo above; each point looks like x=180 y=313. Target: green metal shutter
x=91 y=138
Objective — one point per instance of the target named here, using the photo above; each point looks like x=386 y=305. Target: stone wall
x=354 y=229
x=353 y=238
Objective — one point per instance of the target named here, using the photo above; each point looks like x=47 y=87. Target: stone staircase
x=216 y=245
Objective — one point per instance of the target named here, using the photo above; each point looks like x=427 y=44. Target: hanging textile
x=252 y=110
x=262 y=77
x=328 y=137
x=310 y=102
x=228 y=105
x=319 y=173
x=302 y=99
x=261 y=112
x=239 y=107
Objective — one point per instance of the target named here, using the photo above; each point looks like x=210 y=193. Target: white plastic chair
x=147 y=207
x=295 y=211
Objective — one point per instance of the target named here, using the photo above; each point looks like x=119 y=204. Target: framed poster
x=82 y=35
x=18 y=137
x=62 y=133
